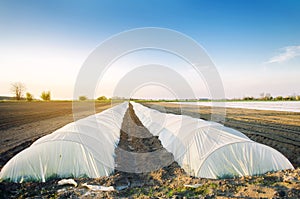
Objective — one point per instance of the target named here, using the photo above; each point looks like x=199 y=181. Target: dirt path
x=138 y=153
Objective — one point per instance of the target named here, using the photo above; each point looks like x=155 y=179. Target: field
x=23 y=123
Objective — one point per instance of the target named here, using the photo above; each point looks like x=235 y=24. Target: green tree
x=248 y=98
x=102 y=98
x=268 y=96
x=18 y=90
x=29 y=97
x=279 y=98
x=265 y=96
x=46 y=95
x=82 y=98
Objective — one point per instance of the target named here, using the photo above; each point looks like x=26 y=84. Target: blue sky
x=255 y=44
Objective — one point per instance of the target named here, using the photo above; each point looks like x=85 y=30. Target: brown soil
x=135 y=138
x=166 y=182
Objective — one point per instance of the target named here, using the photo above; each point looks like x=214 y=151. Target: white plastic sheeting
x=290 y=106
x=208 y=149
x=82 y=148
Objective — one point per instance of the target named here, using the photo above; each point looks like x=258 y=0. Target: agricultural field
x=22 y=123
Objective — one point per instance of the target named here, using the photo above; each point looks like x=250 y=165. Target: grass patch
x=204 y=190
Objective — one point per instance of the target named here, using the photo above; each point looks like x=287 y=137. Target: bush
x=29 y=97
x=248 y=98
x=82 y=98
x=279 y=98
x=46 y=96
x=102 y=98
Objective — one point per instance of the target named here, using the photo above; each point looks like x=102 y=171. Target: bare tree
x=18 y=90
x=262 y=95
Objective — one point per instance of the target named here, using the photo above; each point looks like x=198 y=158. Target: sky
x=254 y=44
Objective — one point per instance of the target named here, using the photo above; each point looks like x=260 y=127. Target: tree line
x=18 y=89
x=101 y=98
x=269 y=97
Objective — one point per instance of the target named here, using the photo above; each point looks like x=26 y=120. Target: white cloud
x=287 y=53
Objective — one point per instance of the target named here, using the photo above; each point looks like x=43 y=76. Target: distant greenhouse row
x=289 y=106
